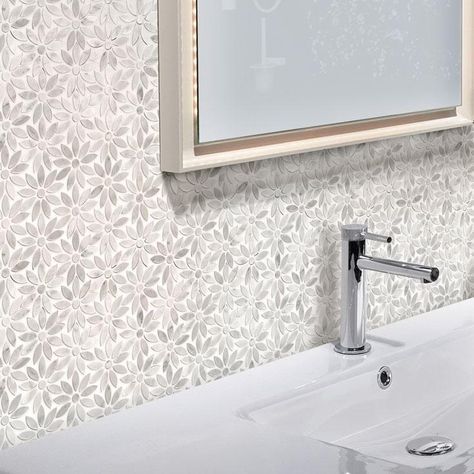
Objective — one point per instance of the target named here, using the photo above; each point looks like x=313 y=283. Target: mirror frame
x=179 y=150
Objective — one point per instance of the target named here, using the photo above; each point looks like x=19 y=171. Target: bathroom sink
x=430 y=393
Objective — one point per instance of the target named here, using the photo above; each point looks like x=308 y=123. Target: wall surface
x=119 y=284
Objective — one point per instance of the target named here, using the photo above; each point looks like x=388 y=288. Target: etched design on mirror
x=386 y=46
x=265 y=69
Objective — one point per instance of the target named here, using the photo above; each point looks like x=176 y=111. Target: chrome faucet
x=353 y=293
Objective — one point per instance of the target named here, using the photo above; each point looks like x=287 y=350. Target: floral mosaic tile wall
x=119 y=284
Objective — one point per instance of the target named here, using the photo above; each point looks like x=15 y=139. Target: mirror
x=270 y=66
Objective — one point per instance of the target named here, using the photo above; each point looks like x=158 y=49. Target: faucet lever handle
x=386 y=239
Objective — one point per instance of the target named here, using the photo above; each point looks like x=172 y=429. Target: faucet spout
x=404 y=269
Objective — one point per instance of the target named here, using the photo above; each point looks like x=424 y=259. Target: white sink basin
x=432 y=393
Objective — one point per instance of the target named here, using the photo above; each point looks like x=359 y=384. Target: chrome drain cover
x=430 y=446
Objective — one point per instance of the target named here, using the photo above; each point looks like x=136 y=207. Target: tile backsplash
x=119 y=284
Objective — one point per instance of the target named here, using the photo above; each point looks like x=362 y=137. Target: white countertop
x=199 y=432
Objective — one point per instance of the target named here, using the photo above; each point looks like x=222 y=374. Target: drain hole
x=384 y=378
x=430 y=446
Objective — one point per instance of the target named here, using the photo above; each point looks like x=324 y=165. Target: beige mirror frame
x=178 y=105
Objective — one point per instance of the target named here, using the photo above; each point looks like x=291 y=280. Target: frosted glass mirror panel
x=267 y=66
